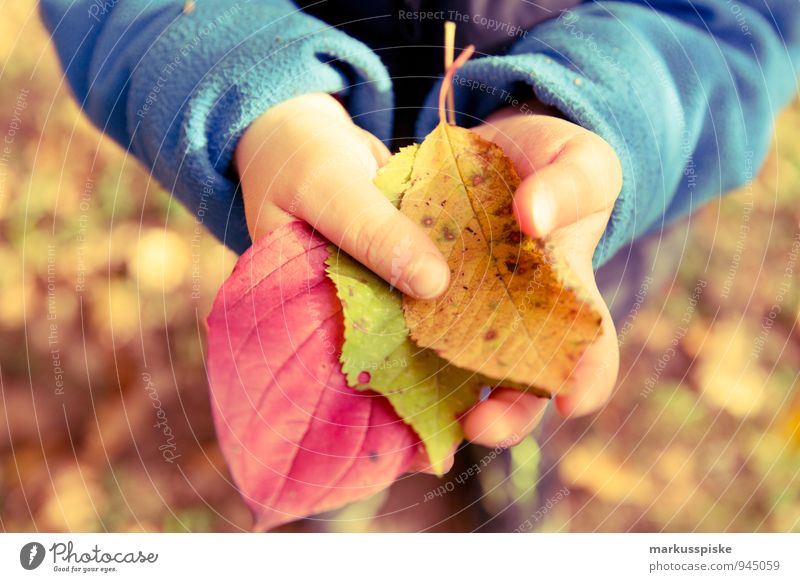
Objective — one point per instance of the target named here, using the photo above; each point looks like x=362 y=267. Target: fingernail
x=544 y=212
x=430 y=276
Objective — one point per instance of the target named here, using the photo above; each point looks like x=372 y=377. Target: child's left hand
x=571 y=178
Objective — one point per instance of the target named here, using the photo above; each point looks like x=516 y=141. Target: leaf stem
x=447 y=83
x=449 y=49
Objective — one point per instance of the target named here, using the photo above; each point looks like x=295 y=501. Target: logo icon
x=31 y=555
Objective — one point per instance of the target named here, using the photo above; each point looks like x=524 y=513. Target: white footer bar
x=401 y=557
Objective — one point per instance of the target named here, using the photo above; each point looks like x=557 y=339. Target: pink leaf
x=297 y=439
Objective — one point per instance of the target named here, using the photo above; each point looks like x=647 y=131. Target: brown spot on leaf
x=427 y=221
x=477 y=180
x=448 y=233
x=490 y=335
x=364 y=377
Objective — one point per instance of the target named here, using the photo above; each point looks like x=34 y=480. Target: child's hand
x=570 y=180
x=305 y=158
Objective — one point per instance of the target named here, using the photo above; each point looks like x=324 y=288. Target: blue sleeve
x=685 y=91
x=178 y=86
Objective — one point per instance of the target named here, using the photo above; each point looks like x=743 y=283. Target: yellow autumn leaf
x=160 y=261
x=75 y=502
x=730 y=376
x=513 y=310
x=594 y=467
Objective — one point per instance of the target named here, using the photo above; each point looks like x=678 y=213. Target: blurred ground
x=104 y=418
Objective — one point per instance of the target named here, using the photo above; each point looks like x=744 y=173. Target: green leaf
x=378 y=354
x=394 y=178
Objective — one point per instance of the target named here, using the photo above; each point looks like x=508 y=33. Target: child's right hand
x=305 y=158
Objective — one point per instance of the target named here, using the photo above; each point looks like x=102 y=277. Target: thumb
x=584 y=178
x=357 y=217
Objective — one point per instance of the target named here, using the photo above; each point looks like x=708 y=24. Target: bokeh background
x=105 y=283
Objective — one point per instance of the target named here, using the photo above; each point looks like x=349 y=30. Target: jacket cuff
x=596 y=93
x=191 y=100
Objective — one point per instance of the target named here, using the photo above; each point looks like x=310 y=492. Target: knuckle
x=612 y=164
x=609 y=158
x=602 y=164
x=591 y=145
x=373 y=240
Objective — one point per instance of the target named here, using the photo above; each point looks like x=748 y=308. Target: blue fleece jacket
x=686 y=92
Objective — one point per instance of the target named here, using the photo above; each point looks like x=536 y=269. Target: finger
x=504 y=419
x=263 y=220
x=593 y=382
x=354 y=215
x=595 y=375
x=585 y=177
x=377 y=147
